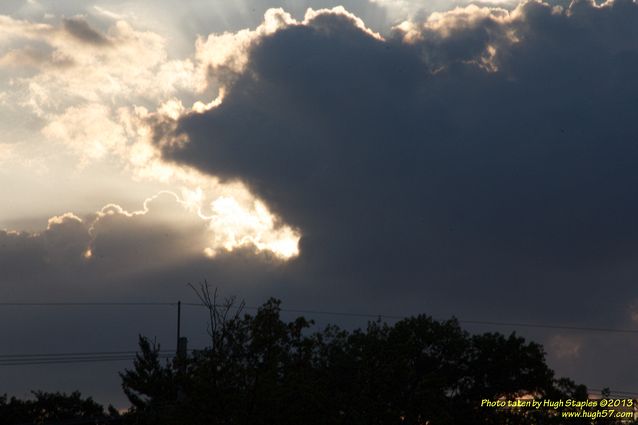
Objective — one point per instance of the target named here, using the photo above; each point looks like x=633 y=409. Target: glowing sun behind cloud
x=93 y=93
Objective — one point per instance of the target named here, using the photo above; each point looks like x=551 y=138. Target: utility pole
x=179 y=323
x=182 y=351
x=182 y=342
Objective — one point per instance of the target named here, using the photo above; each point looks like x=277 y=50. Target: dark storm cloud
x=18 y=253
x=492 y=152
x=81 y=30
x=25 y=255
x=120 y=244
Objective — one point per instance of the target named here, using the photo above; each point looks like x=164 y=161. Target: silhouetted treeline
x=262 y=370
x=55 y=408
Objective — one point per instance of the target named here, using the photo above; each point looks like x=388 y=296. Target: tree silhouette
x=53 y=408
x=262 y=370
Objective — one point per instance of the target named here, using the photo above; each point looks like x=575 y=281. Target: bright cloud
x=96 y=94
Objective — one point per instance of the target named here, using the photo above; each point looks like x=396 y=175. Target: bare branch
x=219 y=315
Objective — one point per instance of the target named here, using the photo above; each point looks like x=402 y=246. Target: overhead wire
x=72 y=357
x=89 y=357
x=58 y=358
x=325 y=312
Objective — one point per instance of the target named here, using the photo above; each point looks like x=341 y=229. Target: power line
x=39 y=361
x=70 y=360
x=550 y=326
x=470 y=322
x=79 y=358
x=81 y=421
x=74 y=357
x=83 y=354
x=88 y=304
x=615 y=392
x=328 y=313
x=90 y=353
x=31 y=359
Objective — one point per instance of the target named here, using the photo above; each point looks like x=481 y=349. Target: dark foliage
x=261 y=370
x=54 y=408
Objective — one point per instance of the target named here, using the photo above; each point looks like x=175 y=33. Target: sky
x=453 y=158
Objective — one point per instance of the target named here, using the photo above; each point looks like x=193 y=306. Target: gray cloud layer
x=80 y=29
